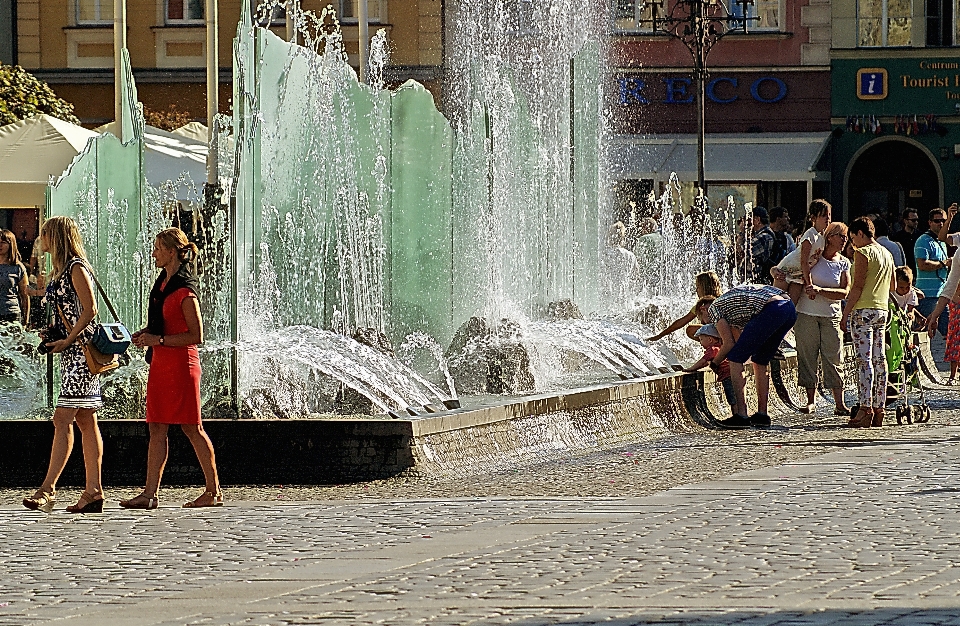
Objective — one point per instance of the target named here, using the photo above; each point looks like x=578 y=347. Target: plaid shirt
x=761 y=251
x=741 y=304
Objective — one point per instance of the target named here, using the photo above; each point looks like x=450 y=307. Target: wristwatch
x=161 y=340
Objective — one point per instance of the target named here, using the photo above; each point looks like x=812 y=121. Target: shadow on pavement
x=893 y=616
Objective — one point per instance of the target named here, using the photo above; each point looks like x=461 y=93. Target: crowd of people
x=173 y=331
x=830 y=280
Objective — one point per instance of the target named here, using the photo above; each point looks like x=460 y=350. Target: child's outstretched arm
x=699 y=365
x=675 y=326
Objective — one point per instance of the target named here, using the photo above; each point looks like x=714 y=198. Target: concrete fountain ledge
x=457 y=442
x=329 y=451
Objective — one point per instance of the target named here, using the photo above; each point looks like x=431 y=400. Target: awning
x=168 y=156
x=728 y=157
x=33 y=150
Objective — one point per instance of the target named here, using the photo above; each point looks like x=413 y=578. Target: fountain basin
x=454 y=442
x=331 y=451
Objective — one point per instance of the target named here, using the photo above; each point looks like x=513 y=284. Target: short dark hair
x=934 y=212
x=904 y=273
x=818 y=207
x=863 y=225
x=881 y=228
x=908 y=211
x=777 y=212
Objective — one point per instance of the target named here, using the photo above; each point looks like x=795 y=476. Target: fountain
x=356 y=206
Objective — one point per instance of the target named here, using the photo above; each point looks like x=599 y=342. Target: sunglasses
x=938 y=221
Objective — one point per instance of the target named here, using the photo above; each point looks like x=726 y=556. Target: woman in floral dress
x=70 y=294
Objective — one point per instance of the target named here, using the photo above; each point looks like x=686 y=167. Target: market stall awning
x=33 y=150
x=728 y=157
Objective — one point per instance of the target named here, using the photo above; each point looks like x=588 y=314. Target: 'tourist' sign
x=896 y=86
x=680 y=90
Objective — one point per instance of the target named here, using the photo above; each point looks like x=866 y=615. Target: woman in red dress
x=174 y=329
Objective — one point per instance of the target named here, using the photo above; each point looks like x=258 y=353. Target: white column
x=119 y=43
x=364 y=38
x=213 y=88
x=291 y=22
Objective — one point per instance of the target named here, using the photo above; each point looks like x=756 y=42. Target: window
x=762 y=15
x=350 y=10
x=94 y=11
x=637 y=15
x=943 y=27
x=277 y=13
x=184 y=11
x=884 y=23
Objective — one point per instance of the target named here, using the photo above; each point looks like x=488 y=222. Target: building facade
x=767 y=106
x=69 y=44
x=895 y=105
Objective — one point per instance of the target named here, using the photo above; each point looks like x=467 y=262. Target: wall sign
x=721 y=90
x=895 y=86
x=872 y=83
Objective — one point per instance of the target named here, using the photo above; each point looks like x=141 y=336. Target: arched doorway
x=890 y=175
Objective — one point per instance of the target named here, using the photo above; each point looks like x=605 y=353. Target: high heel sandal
x=141 y=502
x=863 y=419
x=216 y=499
x=41 y=500
x=87 y=504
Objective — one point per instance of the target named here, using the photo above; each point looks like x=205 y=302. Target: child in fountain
x=709 y=338
x=708 y=285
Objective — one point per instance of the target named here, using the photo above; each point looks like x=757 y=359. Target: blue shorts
x=762 y=335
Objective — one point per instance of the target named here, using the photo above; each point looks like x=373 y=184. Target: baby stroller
x=903 y=366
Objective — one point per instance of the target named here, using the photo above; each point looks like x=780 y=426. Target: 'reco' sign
x=722 y=90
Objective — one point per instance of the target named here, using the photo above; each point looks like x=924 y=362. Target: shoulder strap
x=103 y=293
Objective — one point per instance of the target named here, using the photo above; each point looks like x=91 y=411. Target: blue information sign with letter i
x=872 y=83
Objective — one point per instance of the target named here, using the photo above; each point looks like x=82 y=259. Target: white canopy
x=167 y=156
x=193 y=130
x=33 y=150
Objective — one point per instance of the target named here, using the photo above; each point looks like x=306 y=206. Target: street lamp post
x=699 y=25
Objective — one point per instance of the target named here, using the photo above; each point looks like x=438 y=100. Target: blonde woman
x=174 y=328
x=14 y=299
x=819 y=337
x=70 y=293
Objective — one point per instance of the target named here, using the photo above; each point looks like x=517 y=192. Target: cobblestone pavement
x=865 y=533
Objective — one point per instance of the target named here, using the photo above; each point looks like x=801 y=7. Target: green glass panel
x=586 y=91
x=470 y=194
x=421 y=243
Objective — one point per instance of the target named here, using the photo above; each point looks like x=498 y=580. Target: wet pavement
x=806 y=523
